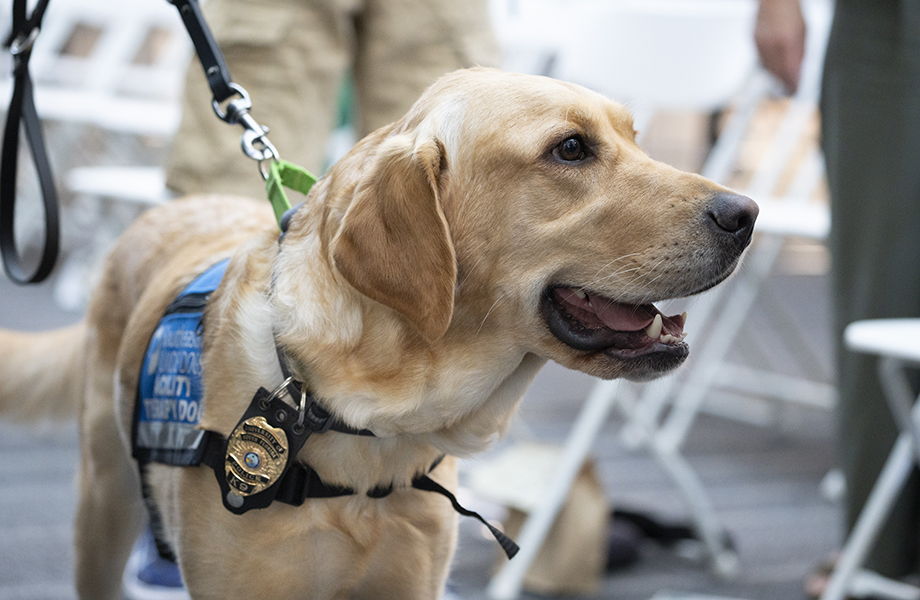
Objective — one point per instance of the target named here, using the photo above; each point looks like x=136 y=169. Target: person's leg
x=871 y=138
x=290 y=56
x=405 y=45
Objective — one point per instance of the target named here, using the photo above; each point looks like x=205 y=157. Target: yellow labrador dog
x=505 y=221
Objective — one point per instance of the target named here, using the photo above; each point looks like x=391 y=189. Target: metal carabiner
x=235 y=108
x=254 y=142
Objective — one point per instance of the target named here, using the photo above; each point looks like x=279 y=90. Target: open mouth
x=591 y=322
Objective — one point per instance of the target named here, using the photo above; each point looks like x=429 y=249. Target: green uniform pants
x=871 y=138
x=292 y=55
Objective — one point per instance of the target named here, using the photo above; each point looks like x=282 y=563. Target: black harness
x=256 y=465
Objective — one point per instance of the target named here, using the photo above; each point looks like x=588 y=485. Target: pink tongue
x=622 y=317
x=615 y=316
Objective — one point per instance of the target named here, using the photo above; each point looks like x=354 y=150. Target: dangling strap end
x=428 y=484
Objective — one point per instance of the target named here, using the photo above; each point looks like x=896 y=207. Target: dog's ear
x=394 y=244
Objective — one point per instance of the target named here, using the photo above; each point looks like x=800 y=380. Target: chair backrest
x=529 y=32
x=117 y=64
x=781 y=164
x=674 y=54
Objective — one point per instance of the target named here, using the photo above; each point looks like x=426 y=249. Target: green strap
x=282 y=174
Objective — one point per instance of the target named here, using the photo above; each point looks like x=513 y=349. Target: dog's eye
x=570 y=150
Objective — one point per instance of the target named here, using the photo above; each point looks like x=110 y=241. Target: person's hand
x=780 y=38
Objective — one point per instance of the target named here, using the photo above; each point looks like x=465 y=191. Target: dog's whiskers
x=489 y=312
x=482 y=255
x=623 y=271
x=599 y=271
x=614 y=274
x=636 y=279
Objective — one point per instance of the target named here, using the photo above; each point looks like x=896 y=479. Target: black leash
x=22 y=112
x=209 y=54
x=230 y=102
x=254 y=141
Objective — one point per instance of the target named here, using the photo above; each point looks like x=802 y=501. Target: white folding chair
x=897 y=344
x=631 y=51
x=789 y=214
x=663 y=31
x=655 y=55
x=116 y=64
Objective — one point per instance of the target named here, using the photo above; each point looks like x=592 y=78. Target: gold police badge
x=256 y=456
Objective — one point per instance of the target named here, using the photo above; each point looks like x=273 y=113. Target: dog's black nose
x=734 y=215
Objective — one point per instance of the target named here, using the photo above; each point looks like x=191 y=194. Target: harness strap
x=22 y=112
x=266 y=415
x=301 y=482
x=154 y=516
x=428 y=484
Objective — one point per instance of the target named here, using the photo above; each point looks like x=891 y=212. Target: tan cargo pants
x=292 y=55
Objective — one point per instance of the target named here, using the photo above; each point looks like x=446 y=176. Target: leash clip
x=254 y=140
x=255 y=143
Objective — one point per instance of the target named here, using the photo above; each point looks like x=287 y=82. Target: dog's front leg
x=416 y=543
x=110 y=513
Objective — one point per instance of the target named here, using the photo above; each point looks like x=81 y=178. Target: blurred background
x=731 y=459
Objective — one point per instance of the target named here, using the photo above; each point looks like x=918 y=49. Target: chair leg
x=890 y=482
x=724 y=559
x=724 y=332
x=506 y=585
x=867 y=584
x=900 y=397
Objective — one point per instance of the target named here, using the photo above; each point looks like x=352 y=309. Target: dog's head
x=521 y=209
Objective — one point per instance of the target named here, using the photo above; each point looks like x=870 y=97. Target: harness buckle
x=320 y=421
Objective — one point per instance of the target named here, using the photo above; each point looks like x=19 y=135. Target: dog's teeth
x=654 y=330
x=581 y=294
x=683 y=315
x=666 y=339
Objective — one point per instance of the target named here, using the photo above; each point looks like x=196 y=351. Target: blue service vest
x=169 y=399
